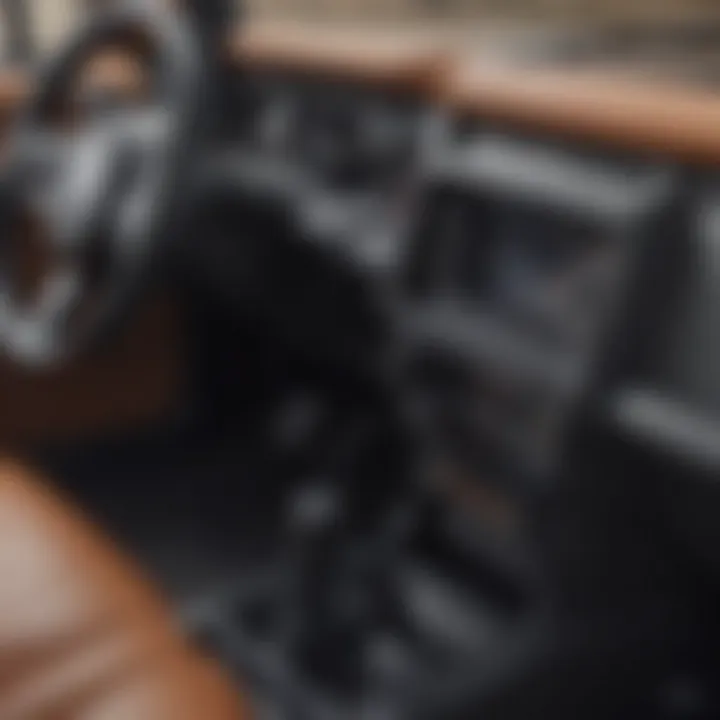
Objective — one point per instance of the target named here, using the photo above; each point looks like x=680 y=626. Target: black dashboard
x=343 y=135
x=532 y=281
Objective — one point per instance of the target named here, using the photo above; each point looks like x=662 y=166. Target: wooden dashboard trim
x=380 y=59
x=616 y=111
x=612 y=109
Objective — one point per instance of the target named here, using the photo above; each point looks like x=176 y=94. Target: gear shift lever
x=323 y=632
x=313 y=618
x=341 y=587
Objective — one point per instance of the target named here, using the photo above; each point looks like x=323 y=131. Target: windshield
x=595 y=15
x=577 y=29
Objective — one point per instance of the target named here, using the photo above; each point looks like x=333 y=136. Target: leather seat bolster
x=82 y=633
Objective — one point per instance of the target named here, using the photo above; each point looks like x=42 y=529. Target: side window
x=51 y=20
x=32 y=28
x=15 y=31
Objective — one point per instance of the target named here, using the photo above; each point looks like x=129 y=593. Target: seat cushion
x=83 y=636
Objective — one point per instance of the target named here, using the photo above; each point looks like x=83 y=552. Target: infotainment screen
x=548 y=270
x=548 y=273
x=524 y=270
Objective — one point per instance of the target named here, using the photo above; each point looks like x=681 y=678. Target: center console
x=516 y=292
x=521 y=273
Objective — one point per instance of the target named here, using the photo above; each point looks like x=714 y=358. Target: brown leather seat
x=82 y=635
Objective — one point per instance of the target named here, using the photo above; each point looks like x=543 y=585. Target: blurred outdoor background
x=51 y=18
x=669 y=39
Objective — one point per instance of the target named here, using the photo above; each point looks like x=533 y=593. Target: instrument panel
x=542 y=219
x=523 y=252
x=345 y=158
x=347 y=136
x=559 y=299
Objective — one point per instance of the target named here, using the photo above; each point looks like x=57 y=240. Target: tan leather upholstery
x=82 y=635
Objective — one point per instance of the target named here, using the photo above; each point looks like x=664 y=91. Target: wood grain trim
x=381 y=59
x=616 y=111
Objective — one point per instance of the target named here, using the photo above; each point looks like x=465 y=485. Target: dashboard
x=528 y=224
x=537 y=226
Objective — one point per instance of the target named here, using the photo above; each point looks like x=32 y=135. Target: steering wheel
x=105 y=194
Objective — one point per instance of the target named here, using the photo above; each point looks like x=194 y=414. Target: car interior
x=393 y=362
